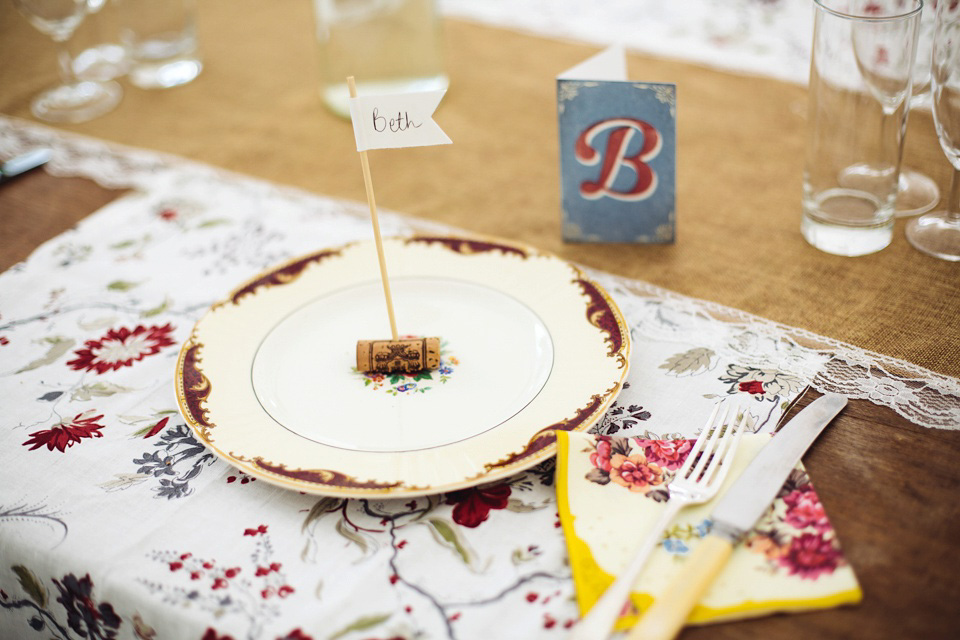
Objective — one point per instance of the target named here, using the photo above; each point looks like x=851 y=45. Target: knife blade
x=734 y=515
x=23 y=163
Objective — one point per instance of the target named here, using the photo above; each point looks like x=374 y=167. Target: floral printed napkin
x=611 y=490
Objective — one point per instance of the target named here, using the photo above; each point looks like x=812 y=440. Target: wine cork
x=398 y=356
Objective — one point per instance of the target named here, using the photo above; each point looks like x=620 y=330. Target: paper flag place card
x=393 y=122
x=617 y=154
x=398 y=120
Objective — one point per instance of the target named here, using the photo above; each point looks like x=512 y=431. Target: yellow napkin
x=611 y=491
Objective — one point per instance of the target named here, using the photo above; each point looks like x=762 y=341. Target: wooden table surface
x=890 y=487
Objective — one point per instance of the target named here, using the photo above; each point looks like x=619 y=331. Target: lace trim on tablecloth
x=922 y=396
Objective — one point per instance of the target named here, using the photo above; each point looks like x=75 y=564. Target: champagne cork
x=398 y=356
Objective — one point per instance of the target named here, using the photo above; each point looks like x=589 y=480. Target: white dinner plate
x=267 y=378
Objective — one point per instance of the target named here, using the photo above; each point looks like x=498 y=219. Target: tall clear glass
x=938 y=234
x=916 y=191
x=389 y=46
x=860 y=83
x=72 y=100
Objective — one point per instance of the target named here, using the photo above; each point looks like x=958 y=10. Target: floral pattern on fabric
x=121 y=348
x=640 y=465
x=85 y=616
x=795 y=535
x=67 y=433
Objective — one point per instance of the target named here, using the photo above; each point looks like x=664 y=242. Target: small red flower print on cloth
x=635 y=472
x=212 y=634
x=472 y=506
x=752 y=386
x=67 y=433
x=667 y=454
x=810 y=555
x=259 y=531
x=805 y=510
x=121 y=348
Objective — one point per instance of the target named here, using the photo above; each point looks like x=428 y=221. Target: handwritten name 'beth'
x=401 y=123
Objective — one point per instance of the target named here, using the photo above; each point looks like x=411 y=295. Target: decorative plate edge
x=193 y=388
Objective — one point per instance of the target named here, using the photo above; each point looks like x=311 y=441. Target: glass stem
x=953 y=204
x=65 y=62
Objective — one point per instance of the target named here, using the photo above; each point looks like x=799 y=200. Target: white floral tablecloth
x=115 y=522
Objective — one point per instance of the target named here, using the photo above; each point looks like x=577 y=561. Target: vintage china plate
x=530 y=345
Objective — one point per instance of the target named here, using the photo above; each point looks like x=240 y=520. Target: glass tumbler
x=860 y=84
x=389 y=46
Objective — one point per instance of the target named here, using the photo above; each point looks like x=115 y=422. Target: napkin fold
x=610 y=492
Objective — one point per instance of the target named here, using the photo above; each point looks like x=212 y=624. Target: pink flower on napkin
x=635 y=473
x=668 y=454
x=601 y=457
x=805 y=510
x=810 y=555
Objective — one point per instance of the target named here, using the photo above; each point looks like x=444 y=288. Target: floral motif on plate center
x=410 y=383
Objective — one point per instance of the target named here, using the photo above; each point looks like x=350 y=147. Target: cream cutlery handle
x=599 y=621
x=664 y=619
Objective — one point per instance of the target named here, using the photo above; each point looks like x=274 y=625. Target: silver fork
x=697 y=481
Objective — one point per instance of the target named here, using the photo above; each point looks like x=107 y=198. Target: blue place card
x=618 y=154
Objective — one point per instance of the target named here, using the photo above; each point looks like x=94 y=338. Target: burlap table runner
x=256 y=109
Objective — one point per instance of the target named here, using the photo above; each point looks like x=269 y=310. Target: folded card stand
x=617 y=154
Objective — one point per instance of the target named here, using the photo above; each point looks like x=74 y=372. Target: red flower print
x=121 y=348
x=296 y=634
x=212 y=634
x=810 y=555
x=472 y=506
x=67 y=433
x=635 y=473
x=804 y=510
x=174 y=566
x=284 y=591
x=752 y=386
x=601 y=459
x=259 y=531
x=667 y=454
x=4 y=341
x=167 y=214
x=157 y=428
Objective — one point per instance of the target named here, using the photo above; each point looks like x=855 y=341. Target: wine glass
x=72 y=100
x=917 y=192
x=938 y=234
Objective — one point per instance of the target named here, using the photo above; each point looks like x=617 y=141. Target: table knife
x=736 y=513
x=23 y=163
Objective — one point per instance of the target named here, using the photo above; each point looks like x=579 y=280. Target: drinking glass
x=390 y=46
x=860 y=82
x=160 y=37
x=917 y=192
x=938 y=234
x=96 y=43
x=73 y=100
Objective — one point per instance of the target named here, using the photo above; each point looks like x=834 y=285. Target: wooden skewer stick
x=371 y=201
